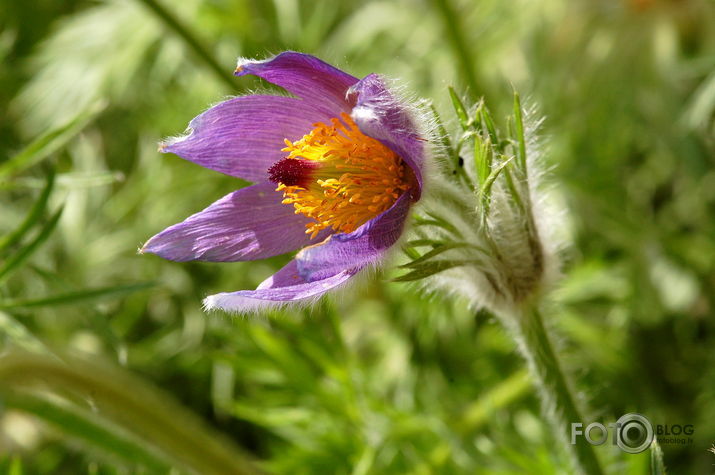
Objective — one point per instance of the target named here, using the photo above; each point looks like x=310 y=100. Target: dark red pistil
x=292 y=172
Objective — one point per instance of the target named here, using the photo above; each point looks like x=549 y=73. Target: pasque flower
x=336 y=169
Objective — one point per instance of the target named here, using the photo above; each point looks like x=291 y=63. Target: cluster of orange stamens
x=340 y=177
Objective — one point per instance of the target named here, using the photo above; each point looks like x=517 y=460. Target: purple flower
x=336 y=169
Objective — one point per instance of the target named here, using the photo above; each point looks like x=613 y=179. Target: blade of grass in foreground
x=79 y=296
x=135 y=406
x=191 y=40
x=69 y=180
x=25 y=252
x=36 y=212
x=15 y=465
x=459 y=43
x=477 y=414
x=48 y=143
x=88 y=428
x=17 y=334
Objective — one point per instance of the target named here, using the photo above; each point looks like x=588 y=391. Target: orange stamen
x=350 y=177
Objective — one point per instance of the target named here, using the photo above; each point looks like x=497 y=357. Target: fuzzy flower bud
x=484 y=226
x=486 y=233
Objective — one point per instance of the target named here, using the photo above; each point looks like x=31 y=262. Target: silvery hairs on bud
x=488 y=229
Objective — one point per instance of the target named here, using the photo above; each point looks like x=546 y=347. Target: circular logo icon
x=634 y=433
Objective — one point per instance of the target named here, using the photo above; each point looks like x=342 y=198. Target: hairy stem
x=558 y=404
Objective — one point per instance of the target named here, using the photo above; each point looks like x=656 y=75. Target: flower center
x=340 y=177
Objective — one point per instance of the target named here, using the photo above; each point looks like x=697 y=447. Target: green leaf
x=49 y=143
x=443 y=135
x=452 y=153
x=191 y=39
x=483 y=157
x=25 y=252
x=423 y=242
x=36 y=212
x=512 y=189
x=71 y=180
x=486 y=190
x=439 y=222
x=125 y=401
x=17 y=334
x=458 y=39
x=410 y=252
x=435 y=252
x=71 y=298
x=459 y=109
x=89 y=428
x=488 y=123
x=519 y=126
x=15 y=466
x=429 y=268
x=476 y=414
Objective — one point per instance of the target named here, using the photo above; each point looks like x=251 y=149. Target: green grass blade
x=18 y=335
x=36 y=212
x=192 y=41
x=459 y=42
x=81 y=296
x=25 y=252
x=70 y=180
x=15 y=466
x=135 y=406
x=477 y=414
x=88 y=428
x=49 y=143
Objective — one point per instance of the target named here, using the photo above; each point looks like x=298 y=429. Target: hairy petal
x=381 y=116
x=318 y=83
x=243 y=136
x=284 y=287
x=245 y=225
x=363 y=247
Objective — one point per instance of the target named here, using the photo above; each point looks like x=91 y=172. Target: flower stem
x=558 y=404
x=191 y=40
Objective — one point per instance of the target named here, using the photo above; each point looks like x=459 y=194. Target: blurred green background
x=384 y=379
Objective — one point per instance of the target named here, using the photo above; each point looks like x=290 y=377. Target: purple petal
x=285 y=286
x=364 y=246
x=317 y=82
x=248 y=224
x=321 y=268
x=381 y=116
x=243 y=137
